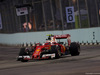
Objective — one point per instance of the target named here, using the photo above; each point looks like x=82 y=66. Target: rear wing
x=63 y=36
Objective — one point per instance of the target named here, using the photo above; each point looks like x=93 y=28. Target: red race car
x=51 y=49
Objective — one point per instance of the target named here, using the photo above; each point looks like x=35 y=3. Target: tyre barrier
x=83 y=43
x=92 y=43
x=65 y=44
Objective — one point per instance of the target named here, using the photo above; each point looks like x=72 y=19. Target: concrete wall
x=76 y=35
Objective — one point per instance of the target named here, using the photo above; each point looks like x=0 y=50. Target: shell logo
x=38 y=50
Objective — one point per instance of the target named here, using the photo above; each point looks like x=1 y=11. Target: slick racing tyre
x=56 y=49
x=59 y=52
x=74 y=49
x=23 y=52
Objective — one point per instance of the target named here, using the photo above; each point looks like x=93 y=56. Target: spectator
x=27 y=27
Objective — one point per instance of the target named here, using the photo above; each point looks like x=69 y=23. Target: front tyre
x=56 y=49
x=23 y=52
x=58 y=52
x=74 y=49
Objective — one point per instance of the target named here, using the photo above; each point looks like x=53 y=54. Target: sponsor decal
x=46 y=55
x=21 y=11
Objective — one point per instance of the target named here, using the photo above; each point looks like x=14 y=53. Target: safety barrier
x=86 y=36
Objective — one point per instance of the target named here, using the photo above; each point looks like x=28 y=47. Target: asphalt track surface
x=87 y=63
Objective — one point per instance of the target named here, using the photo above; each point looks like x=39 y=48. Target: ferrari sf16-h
x=51 y=49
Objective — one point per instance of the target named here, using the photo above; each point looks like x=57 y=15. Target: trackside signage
x=62 y=36
x=21 y=11
x=0 y=22
x=70 y=14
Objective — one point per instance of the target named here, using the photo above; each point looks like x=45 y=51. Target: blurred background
x=47 y=15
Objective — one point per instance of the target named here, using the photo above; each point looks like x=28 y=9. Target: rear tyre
x=74 y=49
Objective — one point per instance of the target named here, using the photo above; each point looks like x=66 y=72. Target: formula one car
x=50 y=49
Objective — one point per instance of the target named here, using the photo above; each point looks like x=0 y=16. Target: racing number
x=70 y=16
x=69 y=11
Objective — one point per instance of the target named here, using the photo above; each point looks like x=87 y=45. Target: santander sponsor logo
x=62 y=36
